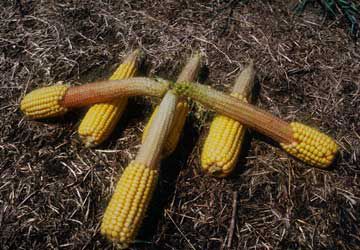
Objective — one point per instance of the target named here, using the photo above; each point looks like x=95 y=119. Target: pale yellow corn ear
x=128 y=204
x=311 y=146
x=182 y=109
x=223 y=143
x=101 y=119
x=44 y=102
x=133 y=192
x=189 y=73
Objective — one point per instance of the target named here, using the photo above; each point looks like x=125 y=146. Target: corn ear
x=44 y=102
x=181 y=111
x=101 y=119
x=128 y=204
x=223 y=143
x=133 y=192
x=189 y=73
x=311 y=146
x=263 y=122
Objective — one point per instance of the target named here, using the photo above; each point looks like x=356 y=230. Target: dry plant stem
x=150 y=151
x=104 y=91
x=245 y=113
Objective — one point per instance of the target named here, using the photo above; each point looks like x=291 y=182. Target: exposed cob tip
x=127 y=207
x=311 y=146
x=101 y=118
x=44 y=102
x=136 y=56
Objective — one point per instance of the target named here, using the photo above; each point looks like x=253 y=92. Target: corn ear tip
x=197 y=54
x=251 y=63
x=88 y=142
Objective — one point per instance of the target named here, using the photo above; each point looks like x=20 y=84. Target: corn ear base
x=311 y=146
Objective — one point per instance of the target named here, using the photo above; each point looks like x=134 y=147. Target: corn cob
x=301 y=141
x=100 y=120
x=45 y=102
x=189 y=73
x=222 y=145
x=133 y=192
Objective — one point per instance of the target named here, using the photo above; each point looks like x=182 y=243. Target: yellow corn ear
x=223 y=143
x=311 y=146
x=101 y=119
x=182 y=109
x=134 y=190
x=189 y=73
x=128 y=205
x=44 y=102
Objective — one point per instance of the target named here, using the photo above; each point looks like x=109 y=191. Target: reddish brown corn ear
x=55 y=100
x=223 y=143
x=101 y=119
x=265 y=123
x=189 y=73
x=133 y=192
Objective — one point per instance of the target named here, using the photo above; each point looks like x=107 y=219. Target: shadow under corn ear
x=240 y=167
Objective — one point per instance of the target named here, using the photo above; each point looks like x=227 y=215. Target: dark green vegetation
x=334 y=8
x=53 y=191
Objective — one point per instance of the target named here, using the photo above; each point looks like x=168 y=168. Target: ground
x=53 y=191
